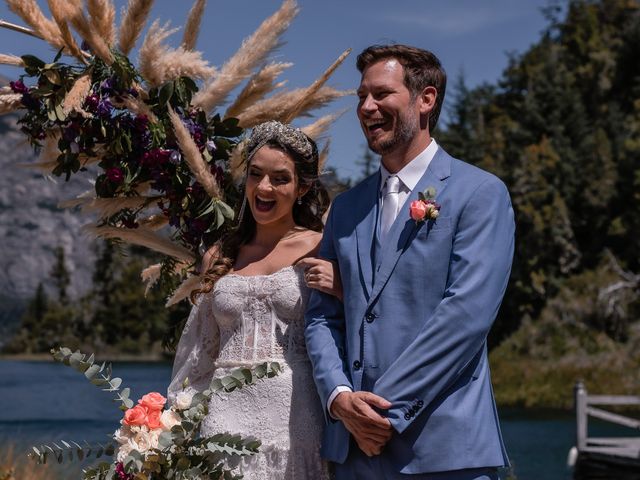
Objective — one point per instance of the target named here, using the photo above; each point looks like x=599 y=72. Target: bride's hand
x=322 y=275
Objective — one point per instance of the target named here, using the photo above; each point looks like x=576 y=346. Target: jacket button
x=407 y=416
x=420 y=404
x=370 y=317
x=357 y=365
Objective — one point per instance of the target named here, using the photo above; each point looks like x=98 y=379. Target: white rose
x=123 y=452
x=183 y=400
x=154 y=436
x=122 y=435
x=169 y=419
x=143 y=441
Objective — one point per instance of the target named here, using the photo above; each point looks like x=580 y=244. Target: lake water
x=41 y=402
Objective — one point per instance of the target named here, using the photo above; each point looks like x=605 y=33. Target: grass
x=13 y=467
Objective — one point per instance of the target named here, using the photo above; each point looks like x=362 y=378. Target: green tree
x=60 y=275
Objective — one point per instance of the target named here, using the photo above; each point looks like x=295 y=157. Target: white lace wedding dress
x=247 y=320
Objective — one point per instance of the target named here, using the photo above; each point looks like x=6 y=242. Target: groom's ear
x=428 y=100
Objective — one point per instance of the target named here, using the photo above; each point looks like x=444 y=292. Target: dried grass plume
x=30 y=12
x=257 y=88
x=132 y=24
x=159 y=63
x=75 y=97
x=11 y=60
x=192 y=27
x=145 y=238
x=103 y=15
x=252 y=52
x=194 y=159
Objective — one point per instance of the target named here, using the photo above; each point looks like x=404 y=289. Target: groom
x=402 y=365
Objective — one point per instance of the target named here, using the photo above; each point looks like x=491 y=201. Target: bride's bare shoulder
x=307 y=242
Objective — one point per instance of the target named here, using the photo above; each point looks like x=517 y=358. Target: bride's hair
x=307 y=212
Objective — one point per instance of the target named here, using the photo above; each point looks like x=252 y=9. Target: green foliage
x=562 y=129
x=69 y=451
x=98 y=375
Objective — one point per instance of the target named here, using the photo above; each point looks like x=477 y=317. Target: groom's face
x=388 y=114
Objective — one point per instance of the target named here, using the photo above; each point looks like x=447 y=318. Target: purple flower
x=175 y=157
x=115 y=175
x=122 y=475
x=156 y=157
x=141 y=122
x=104 y=108
x=211 y=146
x=19 y=87
x=92 y=101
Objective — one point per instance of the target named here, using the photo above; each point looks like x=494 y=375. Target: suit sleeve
x=325 y=329
x=455 y=334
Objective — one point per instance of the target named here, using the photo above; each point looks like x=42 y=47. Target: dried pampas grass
x=30 y=12
x=62 y=11
x=192 y=154
x=150 y=276
x=132 y=24
x=103 y=15
x=311 y=91
x=75 y=14
x=10 y=102
x=184 y=290
x=154 y=222
x=192 y=27
x=252 y=52
x=236 y=162
x=137 y=106
x=11 y=60
x=320 y=126
x=159 y=63
x=75 y=97
x=106 y=207
x=257 y=88
x=145 y=238
x=280 y=106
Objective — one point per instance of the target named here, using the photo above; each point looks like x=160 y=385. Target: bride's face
x=272 y=186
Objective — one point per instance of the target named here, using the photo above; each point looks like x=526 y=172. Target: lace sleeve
x=197 y=349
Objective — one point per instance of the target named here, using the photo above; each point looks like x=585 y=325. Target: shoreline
x=116 y=357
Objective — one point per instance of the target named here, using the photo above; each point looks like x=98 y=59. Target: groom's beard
x=407 y=127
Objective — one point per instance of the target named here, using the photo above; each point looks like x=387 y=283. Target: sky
x=473 y=37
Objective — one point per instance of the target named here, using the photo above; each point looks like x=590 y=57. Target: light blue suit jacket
x=414 y=324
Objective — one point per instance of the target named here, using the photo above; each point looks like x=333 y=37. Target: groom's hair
x=421 y=69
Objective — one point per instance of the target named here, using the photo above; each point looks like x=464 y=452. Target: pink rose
x=135 y=416
x=153 y=401
x=418 y=210
x=153 y=419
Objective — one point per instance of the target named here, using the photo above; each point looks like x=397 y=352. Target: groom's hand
x=371 y=430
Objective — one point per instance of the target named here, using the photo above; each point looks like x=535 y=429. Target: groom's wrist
x=336 y=391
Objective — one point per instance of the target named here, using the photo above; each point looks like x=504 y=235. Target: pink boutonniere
x=425 y=208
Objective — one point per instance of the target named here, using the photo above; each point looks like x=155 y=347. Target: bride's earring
x=299 y=200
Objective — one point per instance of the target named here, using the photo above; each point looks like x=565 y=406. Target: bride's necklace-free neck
x=269 y=239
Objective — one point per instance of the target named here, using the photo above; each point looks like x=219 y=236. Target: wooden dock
x=615 y=458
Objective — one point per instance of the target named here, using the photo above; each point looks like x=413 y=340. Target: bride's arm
x=197 y=350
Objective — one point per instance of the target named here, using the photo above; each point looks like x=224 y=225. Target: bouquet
x=155 y=442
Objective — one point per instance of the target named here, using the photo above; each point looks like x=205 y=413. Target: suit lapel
x=404 y=228
x=365 y=230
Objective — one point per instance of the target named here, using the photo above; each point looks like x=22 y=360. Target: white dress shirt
x=409 y=177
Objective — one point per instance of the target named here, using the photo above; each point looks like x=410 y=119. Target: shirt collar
x=413 y=171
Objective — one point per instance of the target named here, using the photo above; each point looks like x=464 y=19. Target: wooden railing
x=628 y=447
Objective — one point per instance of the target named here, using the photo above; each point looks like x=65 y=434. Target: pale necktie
x=389 y=205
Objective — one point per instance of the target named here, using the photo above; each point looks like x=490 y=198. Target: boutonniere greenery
x=425 y=208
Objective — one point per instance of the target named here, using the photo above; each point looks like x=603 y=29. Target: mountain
x=32 y=226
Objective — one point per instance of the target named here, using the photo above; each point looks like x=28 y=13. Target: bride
x=251 y=309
